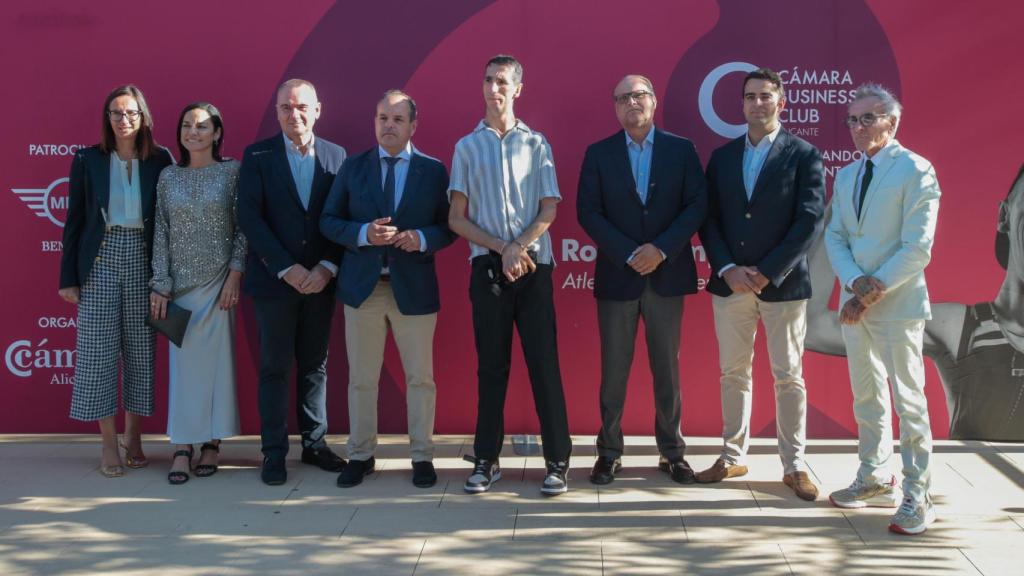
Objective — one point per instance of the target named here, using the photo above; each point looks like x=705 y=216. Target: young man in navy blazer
x=282 y=186
x=766 y=193
x=388 y=209
x=641 y=198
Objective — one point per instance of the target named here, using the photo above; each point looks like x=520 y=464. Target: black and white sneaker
x=555 y=482
x=485 y=473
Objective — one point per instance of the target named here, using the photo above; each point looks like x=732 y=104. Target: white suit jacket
x=892 y=240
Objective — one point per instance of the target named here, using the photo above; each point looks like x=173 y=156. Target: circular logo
x=707 y=107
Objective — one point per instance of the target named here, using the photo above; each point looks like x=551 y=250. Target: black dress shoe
x=604 y=470
x=354 y=471
x=678 y=470
x=323 y=458
x=274 y=473
x=423 y=474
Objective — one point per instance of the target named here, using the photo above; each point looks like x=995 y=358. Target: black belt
x=385 y=277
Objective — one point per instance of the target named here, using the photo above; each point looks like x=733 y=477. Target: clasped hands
x=380 y=233
x=867 y=291
x=645 y=259
x=744 y=279
x=516 y=261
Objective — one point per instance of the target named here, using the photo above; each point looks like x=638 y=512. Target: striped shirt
x=504 y=180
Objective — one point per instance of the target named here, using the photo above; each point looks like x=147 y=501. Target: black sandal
x=177 y=476
x=207 y=470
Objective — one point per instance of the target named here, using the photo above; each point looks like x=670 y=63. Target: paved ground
x=58 y=515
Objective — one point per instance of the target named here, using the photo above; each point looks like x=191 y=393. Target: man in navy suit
x=641 y=198
x=766 y=194
x=282 y=186
x=388 y=208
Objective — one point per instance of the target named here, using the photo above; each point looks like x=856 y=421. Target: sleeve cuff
x=330 y=267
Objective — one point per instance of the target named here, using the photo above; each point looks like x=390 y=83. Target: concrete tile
x=954 y=531
x=421 y=522
x=907 y=560
x=642 y=526
x=444 y=555
x=658 y=558
x=817 y=526
x=994 y=560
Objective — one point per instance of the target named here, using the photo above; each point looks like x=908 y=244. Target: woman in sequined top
x=198 y=261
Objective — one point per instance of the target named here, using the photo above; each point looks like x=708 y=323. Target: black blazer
x=610 y=211
x=279 y=230
x=356 y=198
x=88 y=194
x=775 y=228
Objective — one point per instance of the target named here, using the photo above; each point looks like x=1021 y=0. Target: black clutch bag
x=173 y=325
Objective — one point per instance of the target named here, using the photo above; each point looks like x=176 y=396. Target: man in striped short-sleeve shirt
x=504 y=196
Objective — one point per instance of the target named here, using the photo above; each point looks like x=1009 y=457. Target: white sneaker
x=913 y=517
x=861 y=495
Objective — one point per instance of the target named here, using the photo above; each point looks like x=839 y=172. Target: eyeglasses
x=639 y=96
x=866 y=120
x=117 y=115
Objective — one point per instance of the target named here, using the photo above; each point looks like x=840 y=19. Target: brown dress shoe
x=801 y=483
x=720 y=471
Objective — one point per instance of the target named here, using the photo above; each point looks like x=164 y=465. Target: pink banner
x=949 y=62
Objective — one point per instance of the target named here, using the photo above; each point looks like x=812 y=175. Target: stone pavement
x=58 y=515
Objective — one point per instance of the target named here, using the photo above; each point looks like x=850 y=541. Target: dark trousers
x=298 y=329
x=528 y=304
x=617 y=321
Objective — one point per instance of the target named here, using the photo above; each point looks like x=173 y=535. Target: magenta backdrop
x=950 y=62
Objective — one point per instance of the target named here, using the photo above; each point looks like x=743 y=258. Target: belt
x=385 y=277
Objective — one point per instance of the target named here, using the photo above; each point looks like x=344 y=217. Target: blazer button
x=747 y=215
x=97 y=258
x=645 y=211
x=303 y=242
x=742 y=243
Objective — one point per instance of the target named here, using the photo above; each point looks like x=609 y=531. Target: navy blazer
x=279 y=230
x=88 y=194
x=610 y=211
x=774 y=229
x=356 y=198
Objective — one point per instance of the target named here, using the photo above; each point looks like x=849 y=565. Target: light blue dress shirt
x=640 y=162
x=124 y=207
x=754 y=157
x=753 y=161
x=302 y=167
x=401 y=173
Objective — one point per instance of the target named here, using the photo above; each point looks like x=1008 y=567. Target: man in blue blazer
x=282 y=186
x=641 y=198
x=766 y=195
x=388 y=209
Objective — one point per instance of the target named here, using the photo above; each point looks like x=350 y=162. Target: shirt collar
x=648 y=140
x=770 y=137
x=405 y=154
x=292 y=148
x=520 y=125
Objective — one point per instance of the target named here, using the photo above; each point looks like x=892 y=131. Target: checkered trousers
x=111 y=325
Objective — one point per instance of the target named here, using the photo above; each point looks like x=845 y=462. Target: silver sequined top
x=195 y=234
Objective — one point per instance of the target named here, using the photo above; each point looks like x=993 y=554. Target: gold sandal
x=115 y=471
x=134 y=462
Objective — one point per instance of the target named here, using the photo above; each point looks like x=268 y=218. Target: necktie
x=864 y=183
x=389 y=184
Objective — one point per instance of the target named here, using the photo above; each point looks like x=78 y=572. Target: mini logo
x=21 y=357
x=44 y=202
x=707 y=107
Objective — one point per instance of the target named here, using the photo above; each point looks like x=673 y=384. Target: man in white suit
x=879 y=240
